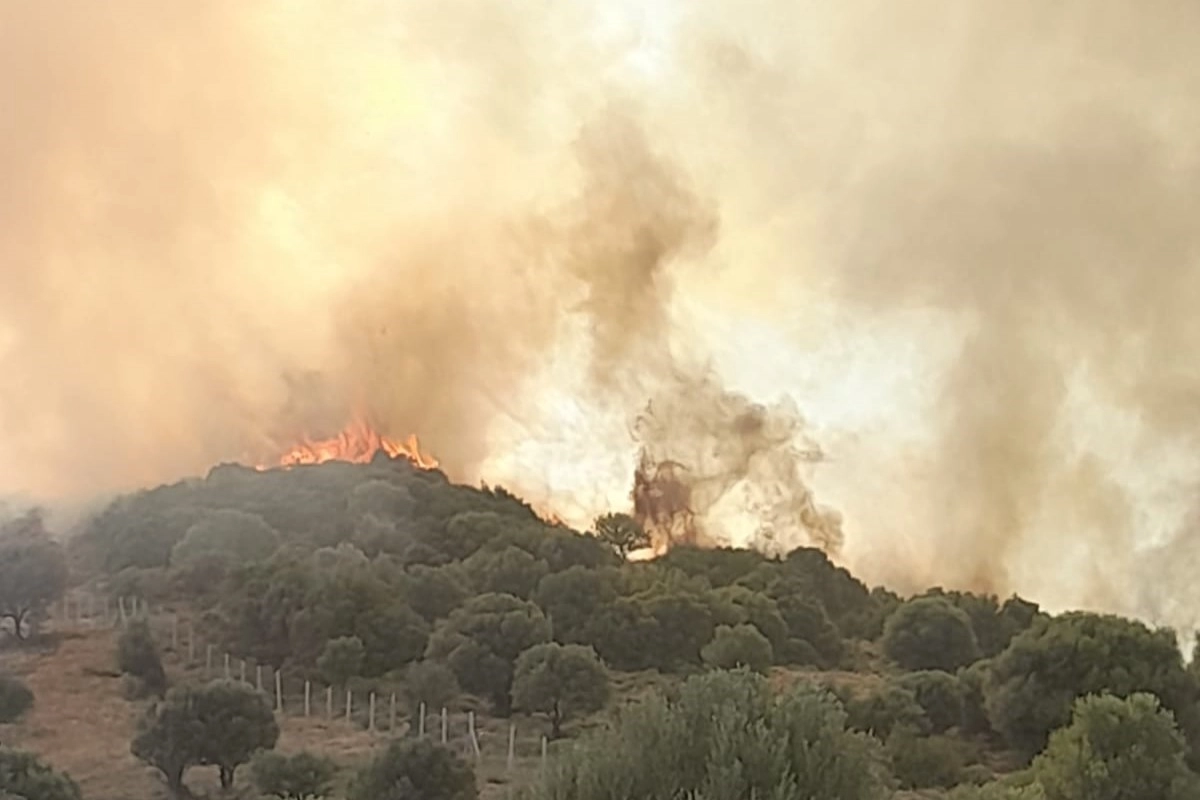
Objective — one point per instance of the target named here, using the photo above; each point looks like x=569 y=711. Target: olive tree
x=33 y=571
x=222 y=724
x=930 y=633
x=559 y=681
x=622 y=532
x=480 y=642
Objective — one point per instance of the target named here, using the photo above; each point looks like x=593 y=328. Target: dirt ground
x=82 y=724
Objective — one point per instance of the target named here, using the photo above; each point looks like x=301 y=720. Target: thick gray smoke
x=960 y=236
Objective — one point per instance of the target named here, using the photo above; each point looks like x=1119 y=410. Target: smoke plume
x=558 y=241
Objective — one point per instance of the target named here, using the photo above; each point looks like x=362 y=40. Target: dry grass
x=82 y=724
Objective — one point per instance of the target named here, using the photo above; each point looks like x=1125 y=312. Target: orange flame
x=357 y=443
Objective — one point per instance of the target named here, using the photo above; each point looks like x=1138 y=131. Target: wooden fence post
x=258 y=677
x=278 y=692
x=392 y=714
x=471 y=730
x=543 y=757
x=208 y=661
x=512 y=744
x=349 y=704
x=421 y=721
x=242 y=670
x=371 y=712
x=328 y=702
x=307 y=698
x=228 y=675
x=445 y=726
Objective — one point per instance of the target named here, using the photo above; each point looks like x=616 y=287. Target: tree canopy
x=930 y=633
x=33 y=571
x=559 y=681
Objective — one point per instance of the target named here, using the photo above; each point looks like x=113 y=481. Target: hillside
x=390 y=584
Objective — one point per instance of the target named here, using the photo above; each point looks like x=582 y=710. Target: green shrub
x=726 y=736
x=414 y=769
x=137 y=655
x=886 y=708
x=23 y=776
x=940 y=696
x=738 y=646
x=15 y=698
x=302 y=776
x=431 y=683
x=924 y=762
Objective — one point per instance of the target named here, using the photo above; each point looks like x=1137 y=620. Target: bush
x=940 y=696
x=299 y=777
x=1032 y=685
x=738 y=646
x=921 y=762
x=414 y=769
x=930 y=633
x=727 y=736
x=137 y=655
x=430 y=683
x=341 y=660
x=1117 y=748
x=15 y=698
x=22 y=776
x=888 y=708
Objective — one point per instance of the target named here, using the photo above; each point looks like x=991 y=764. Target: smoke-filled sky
x=953 y=244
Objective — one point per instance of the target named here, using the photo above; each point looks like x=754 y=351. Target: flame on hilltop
x=357 y=443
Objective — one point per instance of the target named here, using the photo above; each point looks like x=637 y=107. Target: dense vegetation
x=786 y=675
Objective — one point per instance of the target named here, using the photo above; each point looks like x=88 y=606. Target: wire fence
x=500 y=749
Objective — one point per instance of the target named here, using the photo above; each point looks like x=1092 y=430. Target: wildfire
x=357 y=443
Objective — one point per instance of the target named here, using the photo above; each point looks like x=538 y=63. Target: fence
x=379 y=713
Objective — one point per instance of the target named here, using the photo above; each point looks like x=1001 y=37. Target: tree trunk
x=227 y=777
x=175 y=783
x=19 y=624
x=556 y=722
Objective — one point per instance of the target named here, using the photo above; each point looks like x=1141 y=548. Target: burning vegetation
x=357 y=443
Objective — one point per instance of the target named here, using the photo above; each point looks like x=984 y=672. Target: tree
x=756 y=609
x=433 y=592
x=414 y=769
x=480 y=642
x=1032 y=685
x=885 y=709
x=812 y=636
x=341 y=660
x=683 y=623
x=430 y=683
x=508 y=571
x=137 y=655
x=233 y=535
x=24 y=777
x=940 y=695
x=238 y=722
x=571 y=599
x=559 y=681
x=622 y=532
x=222 y=724
x=930 y=633
x=738 y=646
x=727 y=736
x=302 y=776
x=15 y=698
x=1117 y=749
x=33 y=571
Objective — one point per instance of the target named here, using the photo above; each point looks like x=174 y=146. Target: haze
x=953 y=243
